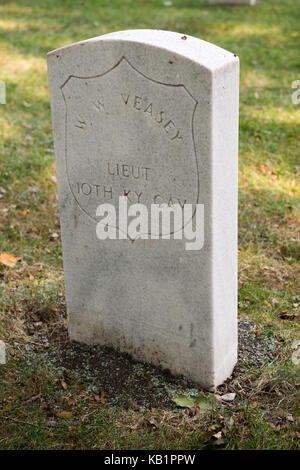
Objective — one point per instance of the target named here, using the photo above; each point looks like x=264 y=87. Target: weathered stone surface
x=2 y=353
x=152 y=115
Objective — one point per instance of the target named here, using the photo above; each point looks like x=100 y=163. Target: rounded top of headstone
x=208 y=55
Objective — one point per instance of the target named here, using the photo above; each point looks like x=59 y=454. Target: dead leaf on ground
x=8 y=259
x=230 y=423
x=213 y=427
x=71 y=401
x=153 y=423
x=64 y=414
x=54 y=235
x=78 y=386
x=64 y=385
x=228 y=396
x=288 y=316
x=102 y=399
x=137 y=424
x=69 y=378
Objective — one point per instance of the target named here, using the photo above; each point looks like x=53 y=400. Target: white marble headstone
x=232 y=2
x=152 y=115
x=2 y=353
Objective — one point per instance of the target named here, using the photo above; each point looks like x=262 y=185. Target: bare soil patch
x=131 y=384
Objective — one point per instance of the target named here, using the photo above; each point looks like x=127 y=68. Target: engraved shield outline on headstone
x=81 y=124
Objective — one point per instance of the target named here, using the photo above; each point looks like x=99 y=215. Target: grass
x=265 y=413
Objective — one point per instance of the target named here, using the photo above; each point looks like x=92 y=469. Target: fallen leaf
x=69 y=378
x=102 y=399
x=71 y=401
x=79 y=386
x=230 y=423
x=8 y=259
x=218 y=435
x=228 y=396
x=184 y=401
x=137 y=424
x=213 y=427
x=64 y=414
x=290 y=418
x=288 y=316
x=263 y=169
x=200 y=402
x=153 y=422
x=64 y=385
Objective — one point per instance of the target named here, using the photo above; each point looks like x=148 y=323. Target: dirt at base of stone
x=131 y=384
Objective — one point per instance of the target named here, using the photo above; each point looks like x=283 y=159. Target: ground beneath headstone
x=128 y=383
